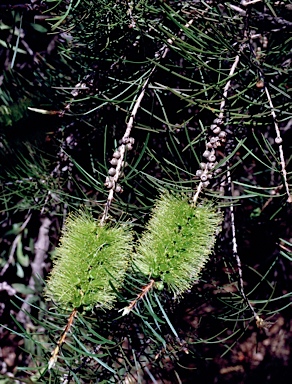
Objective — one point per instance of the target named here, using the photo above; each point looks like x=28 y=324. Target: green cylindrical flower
x=177 y=242
x=90 y=263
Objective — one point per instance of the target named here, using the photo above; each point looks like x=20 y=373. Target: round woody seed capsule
x=212 y=165
x=222 y=135
x=278 y=140
x=112 y=171
x=117 y=154
x=206 y=153
x=209 y=145
x=206 y=183
x=129 y=146
x=109 y=184
x=217 y=171
x=199 y=172
x=108 y=178
x=114 y=161
x=218 y=121
x=213 y=126
x=217 y=130
x=203 y=165
x=213 y=140
x=204 y=177
x=119 y=189
x=212 y=158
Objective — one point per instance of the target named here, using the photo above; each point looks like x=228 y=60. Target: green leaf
x=21 y=258
x=22 y=288
x=39 y=27
x=19 y=270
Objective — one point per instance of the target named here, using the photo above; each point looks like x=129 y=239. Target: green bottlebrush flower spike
x=90 y=261
x=177 y=242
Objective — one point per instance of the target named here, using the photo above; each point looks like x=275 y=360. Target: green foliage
x=90 y=264
x=89 y=73
x=177 y=242
x=13 y=113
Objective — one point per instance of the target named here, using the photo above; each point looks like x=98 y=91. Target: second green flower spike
x=177 y=242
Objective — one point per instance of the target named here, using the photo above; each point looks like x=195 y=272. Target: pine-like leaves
x=90 y=263
x=177 y=242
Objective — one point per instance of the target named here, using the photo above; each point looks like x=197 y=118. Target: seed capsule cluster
x=217 y=138
x=117 y=162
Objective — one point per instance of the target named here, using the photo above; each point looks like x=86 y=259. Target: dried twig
x=235 y=248
x=218 y=136
x=140 y=296
x=55 y=352
x=279 y=140
x=246 y=3
x=259 y=321
x=41 y=250
x=126 y=144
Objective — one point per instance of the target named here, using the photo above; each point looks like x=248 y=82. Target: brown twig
x=140 y=296
x=55 y=352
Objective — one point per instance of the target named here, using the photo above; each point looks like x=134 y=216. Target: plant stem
x=55 y=352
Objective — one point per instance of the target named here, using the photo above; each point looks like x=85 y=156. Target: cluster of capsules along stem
x=217 y=138
x=118 y=163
